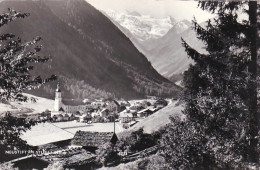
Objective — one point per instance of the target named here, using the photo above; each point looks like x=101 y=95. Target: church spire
x=58 y=87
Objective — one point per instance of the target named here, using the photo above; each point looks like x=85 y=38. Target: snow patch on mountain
x=143 y=27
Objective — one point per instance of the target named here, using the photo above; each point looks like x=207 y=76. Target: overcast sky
x=157 y=8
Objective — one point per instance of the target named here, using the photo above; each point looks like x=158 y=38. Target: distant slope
x=91 y=56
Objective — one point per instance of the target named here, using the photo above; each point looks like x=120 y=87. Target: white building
x=67 y=106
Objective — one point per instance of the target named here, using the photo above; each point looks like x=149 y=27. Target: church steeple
x=58 y=99
x=58 y=87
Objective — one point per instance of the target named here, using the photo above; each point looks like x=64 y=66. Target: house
x=92 y=140
x=58 y=117
x=125 y=117
x=160 y=103
x=30 y=162
x=97 y=104
x=87 y=118
x=113 y=106
x=72 y=158
x=104 y=112
x=145 y=112
x=75 y=158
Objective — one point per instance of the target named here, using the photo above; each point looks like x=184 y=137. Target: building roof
x=124 y=114
x=93 y=139
x=146 y=110
x=44 y=133
x=71 y=102
x=116 y=103
x=70 y=156
x=61 y=109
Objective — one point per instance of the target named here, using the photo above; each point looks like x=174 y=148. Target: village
x=74 y=130
x=99 y=110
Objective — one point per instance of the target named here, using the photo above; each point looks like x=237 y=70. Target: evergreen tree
x=221 y=128
x=221 y=88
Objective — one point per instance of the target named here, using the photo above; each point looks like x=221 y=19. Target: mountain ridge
x=88 y=51
x=166 y=53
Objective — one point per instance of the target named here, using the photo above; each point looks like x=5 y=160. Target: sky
x=156 y=8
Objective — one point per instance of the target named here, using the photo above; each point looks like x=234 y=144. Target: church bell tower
x=58 y=99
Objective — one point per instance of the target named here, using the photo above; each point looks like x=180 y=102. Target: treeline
x=79 y=89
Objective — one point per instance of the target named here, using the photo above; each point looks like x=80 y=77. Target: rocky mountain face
x=90 y=55
x=142 y=27
x=165 y=51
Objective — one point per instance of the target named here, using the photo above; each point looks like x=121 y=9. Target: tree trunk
x=252 y=68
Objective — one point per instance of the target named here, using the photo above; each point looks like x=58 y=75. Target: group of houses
x=98 y=110
x=102 y=111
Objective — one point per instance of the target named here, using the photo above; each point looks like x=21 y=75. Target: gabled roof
x=44 y=133
x=61 y=109
x=70 y=156
x=70 y=102
x=93 y=139
x=123 y=114
x=115 y=102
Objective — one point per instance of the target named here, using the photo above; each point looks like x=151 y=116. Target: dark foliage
x=222 y=120
x=17 y=60
x=138 y=141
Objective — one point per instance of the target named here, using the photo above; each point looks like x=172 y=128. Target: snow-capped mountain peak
x=143 y=27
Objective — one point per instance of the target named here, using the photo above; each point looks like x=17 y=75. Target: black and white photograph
x=129 y=84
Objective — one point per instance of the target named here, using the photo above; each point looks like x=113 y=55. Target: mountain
x=165 y=52
x=90 y=55
x=141 y=26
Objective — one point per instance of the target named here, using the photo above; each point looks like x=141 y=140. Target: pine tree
x=221 y=88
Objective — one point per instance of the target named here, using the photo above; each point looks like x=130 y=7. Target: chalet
x=70 y=157
x=46 y=114
x=145 y=112
x=125 y=117
x=124 y=103
x=97 y=104
x=104 y=112
x=30 y=162
x=75 y=158
x=59 y=117
x=160 y=103
x=92 y=140
x=113 y=106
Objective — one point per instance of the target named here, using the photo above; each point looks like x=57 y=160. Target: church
x=67 y=106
